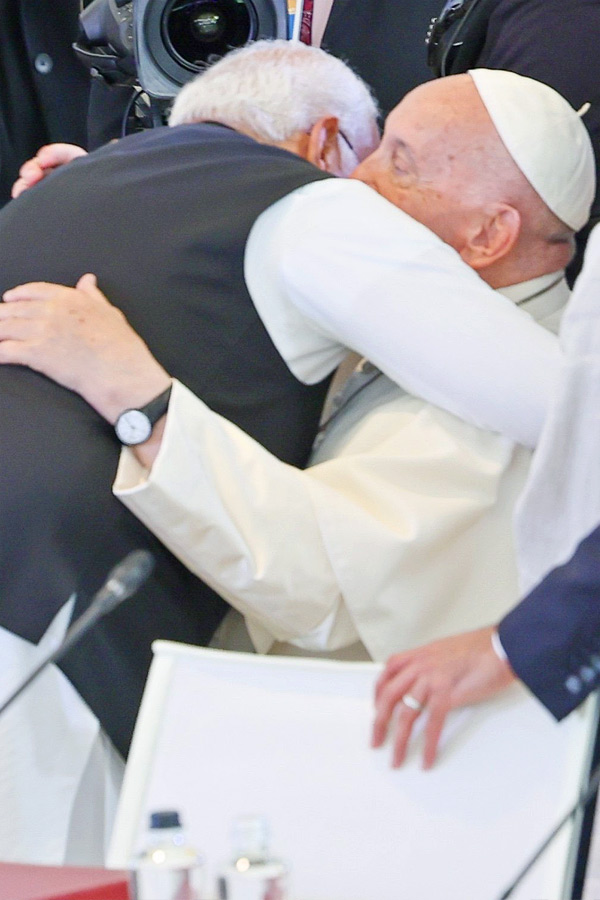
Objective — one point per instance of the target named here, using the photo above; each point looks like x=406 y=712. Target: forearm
x=238 y=517
x=380 y=283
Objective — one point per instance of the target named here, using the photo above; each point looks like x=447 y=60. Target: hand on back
x=47 y=159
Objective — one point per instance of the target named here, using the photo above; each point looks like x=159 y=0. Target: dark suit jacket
x=384 y=41
x=162 y=218
x=46 y=94
x=552 y=638
x=555 y=42
x=43 y=87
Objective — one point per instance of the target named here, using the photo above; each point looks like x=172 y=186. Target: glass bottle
x=252 y=873
x=167 y=868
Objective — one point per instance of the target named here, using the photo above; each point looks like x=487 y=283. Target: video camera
x=159 y=45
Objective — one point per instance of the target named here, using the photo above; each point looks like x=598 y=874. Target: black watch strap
x=134 y=426
x=157 y=407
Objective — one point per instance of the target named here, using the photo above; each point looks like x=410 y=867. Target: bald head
x=443 y=161
x=455 y=139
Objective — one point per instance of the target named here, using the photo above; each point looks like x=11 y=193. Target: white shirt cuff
x=498 y=648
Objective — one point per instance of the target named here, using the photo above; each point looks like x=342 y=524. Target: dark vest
x=162 y=218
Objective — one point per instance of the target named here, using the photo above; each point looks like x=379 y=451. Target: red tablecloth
x=18 y=882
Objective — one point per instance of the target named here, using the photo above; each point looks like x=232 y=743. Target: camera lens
x=196 y=30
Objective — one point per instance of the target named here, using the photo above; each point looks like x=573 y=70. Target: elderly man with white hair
x=400 y=531
x=208 y=236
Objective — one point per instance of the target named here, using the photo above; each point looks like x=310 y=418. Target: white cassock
x=400 y=531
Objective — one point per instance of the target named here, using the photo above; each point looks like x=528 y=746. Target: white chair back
x=222 y=734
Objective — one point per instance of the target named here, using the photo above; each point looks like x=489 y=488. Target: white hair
x=273 y=89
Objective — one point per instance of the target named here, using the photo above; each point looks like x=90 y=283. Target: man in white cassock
x=400 y=531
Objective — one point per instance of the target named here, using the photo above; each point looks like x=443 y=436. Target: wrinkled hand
x=48 y=158
x=77 y=338
x=441 y=676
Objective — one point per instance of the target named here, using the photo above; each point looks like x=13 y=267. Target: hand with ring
x=436 y=678
x=412 y=703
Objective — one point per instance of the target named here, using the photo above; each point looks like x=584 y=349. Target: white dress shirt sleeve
x=335 y=265
x=497 y=647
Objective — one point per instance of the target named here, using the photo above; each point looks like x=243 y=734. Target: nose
x=361 y=172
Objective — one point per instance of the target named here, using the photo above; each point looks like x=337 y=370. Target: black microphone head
x=122 y=582
x=126 y=577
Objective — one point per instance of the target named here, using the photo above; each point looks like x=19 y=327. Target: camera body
x=457 y=35
x=162 y=44
x=175 y=39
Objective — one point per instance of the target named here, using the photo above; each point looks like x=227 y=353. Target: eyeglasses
x=347 y=142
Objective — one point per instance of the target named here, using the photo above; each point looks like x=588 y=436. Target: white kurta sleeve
x=366 y=276
x=389 y=542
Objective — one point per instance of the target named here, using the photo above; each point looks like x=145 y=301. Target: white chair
x=221 y=734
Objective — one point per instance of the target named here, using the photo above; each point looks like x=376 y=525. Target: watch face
x=133 y=427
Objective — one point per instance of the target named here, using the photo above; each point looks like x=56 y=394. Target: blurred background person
x=44 y=89
x=553 y=41
x=383 y=40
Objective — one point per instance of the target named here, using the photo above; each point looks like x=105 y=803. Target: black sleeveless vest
x=162 y=218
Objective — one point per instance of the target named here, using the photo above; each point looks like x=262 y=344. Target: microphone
x=122 y=581
x=584 y=798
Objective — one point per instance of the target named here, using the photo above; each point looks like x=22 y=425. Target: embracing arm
x=374 y=280
x=242 y=520
x=354 y=546
x=286 y=546
x=47 y=159
x=77 y=338
x=240 y=506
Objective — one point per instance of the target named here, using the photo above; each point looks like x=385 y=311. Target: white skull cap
x=545 y=137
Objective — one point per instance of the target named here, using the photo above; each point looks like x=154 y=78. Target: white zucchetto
x=546 y=139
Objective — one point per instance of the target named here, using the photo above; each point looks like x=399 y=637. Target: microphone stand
x=584 y=797
x=126 y=577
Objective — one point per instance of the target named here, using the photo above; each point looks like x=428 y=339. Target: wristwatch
x=134 y=426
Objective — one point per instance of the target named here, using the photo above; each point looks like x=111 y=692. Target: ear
x=492 y=238
x=323 y=148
